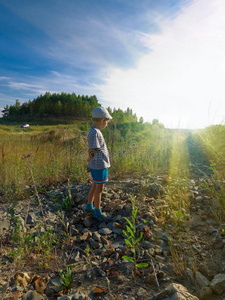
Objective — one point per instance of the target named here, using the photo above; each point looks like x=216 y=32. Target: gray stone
x=223 y=252
x=199 y=199
x=218 y=283
x=205 y=293
x=211 y=229
x=64 y=298
x=33 y=295
x=89 y=221
x=102 y=225
x=77 y=296
x=4 y=225
x=174 y=292
x=117 y=231
x=190 y=276
x=93 y=243
x=204 y=269
x=142 y=292
x=55 y=284
x=146 y=244
x=105 y=231
x=201 y=280
x=73 y=231
x=32 y=218
x=96 y=236
x=51 y=217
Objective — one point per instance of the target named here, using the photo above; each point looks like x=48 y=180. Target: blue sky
x=165 y=59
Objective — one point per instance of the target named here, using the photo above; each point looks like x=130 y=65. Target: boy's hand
x=91 y=153
x=88 y=170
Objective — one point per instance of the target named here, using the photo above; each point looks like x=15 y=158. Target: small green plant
x=67 y=200
x=66 y=278
x=17 y=231
x=87 y=250
x=130 y=239
x=179 y=216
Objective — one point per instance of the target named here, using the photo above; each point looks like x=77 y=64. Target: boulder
x=218 y=283
x=174 y=291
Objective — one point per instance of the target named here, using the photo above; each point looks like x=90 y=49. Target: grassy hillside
x=41 y=156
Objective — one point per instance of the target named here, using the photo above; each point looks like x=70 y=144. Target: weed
x=67 y=200
x=35 y=244
x=130 y=239
x=179 y=216
x=87 y=250
x=66 y=278
x=179 y=263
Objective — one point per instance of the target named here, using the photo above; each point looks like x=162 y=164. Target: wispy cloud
x=182 y=75
x=164 y=60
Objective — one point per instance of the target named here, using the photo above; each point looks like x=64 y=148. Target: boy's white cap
x=101 y=113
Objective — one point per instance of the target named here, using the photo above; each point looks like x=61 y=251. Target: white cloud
x=180 y=80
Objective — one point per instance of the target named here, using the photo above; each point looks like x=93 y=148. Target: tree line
x=66 y=105
x=54 y=104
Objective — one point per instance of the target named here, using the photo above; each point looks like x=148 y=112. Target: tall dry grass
x=41 y=158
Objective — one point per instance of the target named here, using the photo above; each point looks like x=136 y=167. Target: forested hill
x=54 y=104
x=64 y=106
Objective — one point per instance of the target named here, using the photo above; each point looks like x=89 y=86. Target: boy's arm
x=91 y=154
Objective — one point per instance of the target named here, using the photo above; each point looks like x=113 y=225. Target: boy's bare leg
x=91 y=193
x=98 y=195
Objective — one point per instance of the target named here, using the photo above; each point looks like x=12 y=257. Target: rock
x=146 y=244
x=55 y=285
x=223 y=252
x=105 y=231
x=64 y=298
x=218 y=283
x=33 y=295
x=174 y=291
x=52 y=218
x=117 y=231
x=199 y=199
x=154 y=189
x=203 y=269
x=4 y=226
x=211 y=229
x=20 y=279
x=96 y=236
x=127 y=268
x=77 y=296
x=93 y=243
x=105 y=242
x=32 y=218
x=142 y=292
x=17 y=288
x=89 y=221
x=205 y=293
x=100 y=290
x=73 y=231
x=190 y=276
x=201 y=280
x=85 y=236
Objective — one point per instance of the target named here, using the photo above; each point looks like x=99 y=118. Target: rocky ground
x=185 y=250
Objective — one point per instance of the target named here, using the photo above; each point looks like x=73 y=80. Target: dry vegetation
x=34 y=159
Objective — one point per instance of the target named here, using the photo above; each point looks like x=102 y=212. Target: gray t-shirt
x=96 y=141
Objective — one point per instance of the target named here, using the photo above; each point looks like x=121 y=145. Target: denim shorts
x=99 y=176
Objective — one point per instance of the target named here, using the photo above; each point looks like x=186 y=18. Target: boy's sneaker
x=101 y=217
x=89 y=208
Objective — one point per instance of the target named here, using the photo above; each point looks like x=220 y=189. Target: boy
x=99 y=162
